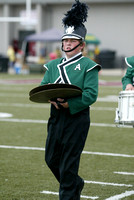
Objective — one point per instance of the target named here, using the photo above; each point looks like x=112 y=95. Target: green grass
x=23 y=172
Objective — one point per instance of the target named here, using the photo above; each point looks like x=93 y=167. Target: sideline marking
x=83 y=152
x=125 y=173
x=56 y=193
x=121 y=196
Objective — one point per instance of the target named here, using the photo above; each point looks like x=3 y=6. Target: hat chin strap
x=71 y=49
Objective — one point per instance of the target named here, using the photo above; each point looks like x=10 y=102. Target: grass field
x=107 y=162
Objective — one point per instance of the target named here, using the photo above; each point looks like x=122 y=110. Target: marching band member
x=128 y=79
x=69 y=120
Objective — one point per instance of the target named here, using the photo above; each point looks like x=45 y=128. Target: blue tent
x=51 y=35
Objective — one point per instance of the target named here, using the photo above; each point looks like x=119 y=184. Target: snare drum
x=125 y=110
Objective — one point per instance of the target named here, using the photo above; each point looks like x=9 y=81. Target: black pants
x=65 y=141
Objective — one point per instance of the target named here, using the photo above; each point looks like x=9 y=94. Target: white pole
x=28 y=8
x=19 y=19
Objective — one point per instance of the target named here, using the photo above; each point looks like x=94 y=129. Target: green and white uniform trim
x=79 y=71
x=129 y=76
x=130 y=61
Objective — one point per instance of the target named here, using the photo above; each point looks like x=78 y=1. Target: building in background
x=110 y=20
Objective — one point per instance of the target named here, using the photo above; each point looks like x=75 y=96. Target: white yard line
x=24 y=121
x=45 y=105
x=88 y=197
x=108 y=99
x=109 y=154
x=32 y=105
x=21 y=147
x=103 y=125
x=84 y=152
x=125 y=173
x=111 y=184
x=121 y=196
x=86 y=181
x=56 y=193
x=103 y=108
x=45 y=122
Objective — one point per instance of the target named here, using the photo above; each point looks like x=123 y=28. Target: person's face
x=69 y=44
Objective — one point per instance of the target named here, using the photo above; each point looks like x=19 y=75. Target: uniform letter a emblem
x=77 y=67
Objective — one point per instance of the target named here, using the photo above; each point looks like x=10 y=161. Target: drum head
x=44 y=93
x=127 y=93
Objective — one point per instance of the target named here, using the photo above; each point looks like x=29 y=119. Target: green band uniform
x=68 y=127
x=129 y=76
x=80 y=71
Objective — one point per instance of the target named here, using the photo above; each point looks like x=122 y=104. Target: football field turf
x=107 y=162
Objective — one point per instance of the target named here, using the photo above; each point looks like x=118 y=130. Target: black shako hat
x=74 y=21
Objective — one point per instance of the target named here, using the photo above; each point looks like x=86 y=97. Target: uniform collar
x=66 y=59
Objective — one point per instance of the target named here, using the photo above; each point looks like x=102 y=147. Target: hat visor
x=71 y=37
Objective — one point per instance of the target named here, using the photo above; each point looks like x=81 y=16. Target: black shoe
x=80 y=187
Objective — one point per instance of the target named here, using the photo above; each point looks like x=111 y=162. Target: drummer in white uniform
x=128 y=79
